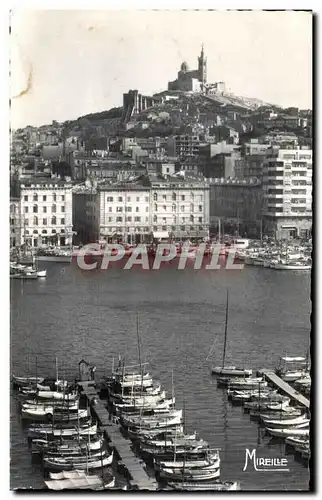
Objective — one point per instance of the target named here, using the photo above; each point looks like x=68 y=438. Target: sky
x=67 y=63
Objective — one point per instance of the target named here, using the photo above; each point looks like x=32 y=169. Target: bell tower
x=202 y=67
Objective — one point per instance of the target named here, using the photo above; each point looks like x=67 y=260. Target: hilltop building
x=191 y=80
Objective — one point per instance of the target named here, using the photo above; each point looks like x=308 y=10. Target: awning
x=160 y=234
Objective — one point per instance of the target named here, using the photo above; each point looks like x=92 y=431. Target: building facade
x=45 y=213
x=191 y=80
x=238 y=204
x=287 y=182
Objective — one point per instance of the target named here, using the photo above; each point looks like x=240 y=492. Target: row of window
x=127 y=209
x=164 y=197
x=44 y=209
x=182 y=208
x=162 y=228
x=43 y=197
x=128 y=198
x=155 y=219
x=36 y=221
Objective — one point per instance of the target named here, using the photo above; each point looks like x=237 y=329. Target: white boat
x=42 y=273
x=73 y=444
x=292 y=368
x=213 y=461
x=71 y=463
x=55 y=395
x=48 y=412
x=215 y=486
x=294 y=441
x=291 y=266
x=56 y=432
x=148 y=420
x=204 y=474
x=302 y=420
x=292 y=431
x=21 y=381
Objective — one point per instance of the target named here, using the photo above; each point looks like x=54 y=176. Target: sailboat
x=227 y=370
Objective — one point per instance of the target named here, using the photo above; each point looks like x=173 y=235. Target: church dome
x=184 y=66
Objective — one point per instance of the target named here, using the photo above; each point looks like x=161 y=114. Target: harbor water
x=75 y=314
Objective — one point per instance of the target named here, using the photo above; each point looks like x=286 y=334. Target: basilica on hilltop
x=191 y=80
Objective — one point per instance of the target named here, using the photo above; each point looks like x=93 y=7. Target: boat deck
x=135 y=467
x=274 y=379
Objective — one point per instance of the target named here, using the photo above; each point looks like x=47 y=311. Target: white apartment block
x=180 y=208
x=287 y=183
x=124 y=212
x=45 y=213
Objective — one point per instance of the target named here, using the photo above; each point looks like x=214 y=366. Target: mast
x=225 y=341
x=139 y=350
x=219 y=230
x=57 y=371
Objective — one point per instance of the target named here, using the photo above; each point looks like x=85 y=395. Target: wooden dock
x=275 y=380
x=138 y=477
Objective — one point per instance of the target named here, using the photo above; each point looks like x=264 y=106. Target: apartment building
x=45 y=208
x=180 y=207
x=124 y=212
x=287 y=182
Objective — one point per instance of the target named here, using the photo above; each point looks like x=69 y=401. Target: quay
x=138 y=477
x=275 y=380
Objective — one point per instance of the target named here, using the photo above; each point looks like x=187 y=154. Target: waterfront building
x=180 y=207
x=287 y=182
x=124 y=212
x=45 y=212
x=238 y=204
x=86 y=213
x=15 y=222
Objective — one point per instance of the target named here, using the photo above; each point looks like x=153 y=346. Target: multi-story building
x=15 y=222
x=238 y=204
x=287 y=182
x=183 y=145
x=45 y=212
x=180 y=207
x=85 y=213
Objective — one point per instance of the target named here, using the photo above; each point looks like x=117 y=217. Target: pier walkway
x=135 y=467
x=274 y=379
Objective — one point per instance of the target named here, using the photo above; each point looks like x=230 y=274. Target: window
x=12 y=221
x=192 y=208
x=119 y=209
x=155 y=197
x=110 y=209
x=62 y=221
x=191 y=218
x=44 y=198
x=35 y=197
x=154 y=218
x=146 y=209
x=155 y=207
x=110 y=219
x=13 y=209
x=119 y=219
x=109 y=198
x=182 y=208
x=164 y=228
x=53 y=209
x=54 y=197
x=120 y=198
x=137 y=219
x=182 y=228
x=26 y=210
x=129 y=218
x=35 y=221
x=192 y=228
x=173 y=228
x=26 y=224
x=200 y=219
x=164 y=208
x=173 y=208
x=174 y=196
x=128 y=209
x=26 y=197
x=147 y=199
x=155 y=228
x=137 y=198
x=63 y=208
x=62 y=197
x=44 y=209
x=128 y=198
x=35 y=209
x=201 y=228
x=164 y=196
x=200 y=208
x=44 y=221
x=183 y=197
x=137 y=209
x=147 y=219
